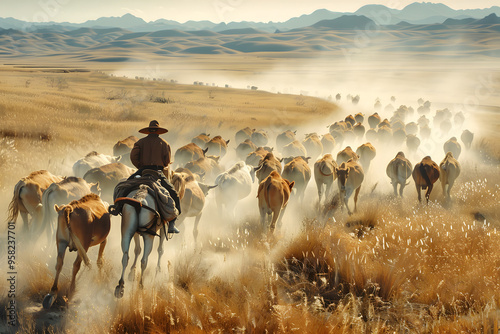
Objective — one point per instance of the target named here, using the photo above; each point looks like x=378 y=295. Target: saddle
x=150 y=179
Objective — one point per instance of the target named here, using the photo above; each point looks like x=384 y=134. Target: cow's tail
x=423 y=172
x=326 y=169
x=402 y=173
x=79 y=247
x=15 y=204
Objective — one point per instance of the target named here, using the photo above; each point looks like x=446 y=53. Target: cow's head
x=342 y=175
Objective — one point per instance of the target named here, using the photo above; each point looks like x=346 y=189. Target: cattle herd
x=274 y=167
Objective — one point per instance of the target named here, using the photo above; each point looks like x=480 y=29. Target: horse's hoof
x=119 y=291
x=48 y=301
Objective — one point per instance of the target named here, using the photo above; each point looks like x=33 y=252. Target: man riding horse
x=153 y=152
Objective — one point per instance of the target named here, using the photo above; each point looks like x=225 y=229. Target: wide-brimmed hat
x=154 y=127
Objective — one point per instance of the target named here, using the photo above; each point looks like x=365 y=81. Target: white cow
x=92 y=160
x=234 y=185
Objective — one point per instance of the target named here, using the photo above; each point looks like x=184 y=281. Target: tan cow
x=201 y=140
x=294 y=149
x=350 y=119
x=108 y=176
x=413 y=143
x=449 y=170
x=60 y=193
x=27 y=199
x=124 y=146
x=217 y=146
x=350 y=175
x=411 y=128
x=256 y=157
x=384 y=134
x=245 y=148
x=374 y=120
x=346 y=154
x=359 y=130
x=267 y=165
x=328 y=143
x=452 y=145
x=425 y=174
x=313 y=145
x=273 y=195
x=285 y=138
x=92 y=160
x=244 y=134
x=366 y=153
x=467 y=138
x=192 y=196
x=187 y=153
x=297 y=170
x=259 y=137
x=324 y=175
x=399 y=170
x=206 y=167
x=359 y=117
x=81 y=224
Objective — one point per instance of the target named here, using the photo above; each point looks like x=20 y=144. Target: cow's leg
x=443 y=186
x=137 y=252
x=276 y=214
x=450 y=184
x=348 y=194
x=320 y=194
x=263 y=218
x=418 y=192
x=76 y=268
x=428 y=193
x=101 y=251
x=280 y=217
x=395 y=187
x=24 y=216
x=148 y=247
x=356 y=199
x=195 y=229
x=52 y=295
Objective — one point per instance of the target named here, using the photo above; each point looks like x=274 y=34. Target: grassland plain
x=394 y=266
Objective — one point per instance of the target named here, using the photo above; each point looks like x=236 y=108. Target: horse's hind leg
x=52 y=295
x=101 y=251
x=137 y=252
x=163 y=237
x=195 y=229
x=148 y=247
x=126 y=238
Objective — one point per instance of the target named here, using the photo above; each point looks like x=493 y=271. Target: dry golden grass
x=394 y=266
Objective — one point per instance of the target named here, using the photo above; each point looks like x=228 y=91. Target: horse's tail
x=15 y=204
x=423 y=172
x=79 y=247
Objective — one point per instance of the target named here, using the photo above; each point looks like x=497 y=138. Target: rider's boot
x=171 y=227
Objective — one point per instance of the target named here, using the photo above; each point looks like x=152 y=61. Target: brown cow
x=350 y=119
x=243 y=134
x=245 y=148
x=467 y=138
x=81 y=224
x=350 y=175
x=63 y=192
x=297 y=170
x=359 y=117
x=366 y=153
x=124 y=146
x=285 y=138
x=294 y=149
x=266 y=166
x=273 y=194
x=256 y=157
x=324 y=175
x=217 y=146
x=313 y=145
x=201 y=140
x=187 y=153
x=374 y=120
x=425 y=174
x=346 y=154
x=207 y=167
x=399 y=170
x=108 y=176
x=453 y=146
x=449 y=170
x=27 y=199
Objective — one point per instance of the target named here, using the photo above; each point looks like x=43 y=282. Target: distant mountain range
x=453 y=37
x=415 y=13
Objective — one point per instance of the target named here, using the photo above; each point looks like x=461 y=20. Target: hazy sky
x=183 y=10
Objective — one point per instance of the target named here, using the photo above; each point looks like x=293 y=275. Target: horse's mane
x=85 y=199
